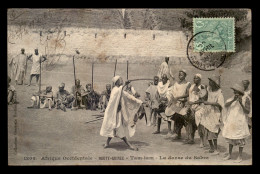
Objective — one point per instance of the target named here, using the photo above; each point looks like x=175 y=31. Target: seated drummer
x=91 y=97
x=63 y=98
x=76 y=91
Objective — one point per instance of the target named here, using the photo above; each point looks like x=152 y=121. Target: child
x=151 y=95
x=235 y=124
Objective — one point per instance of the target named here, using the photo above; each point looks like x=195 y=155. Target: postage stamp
x=219 y=30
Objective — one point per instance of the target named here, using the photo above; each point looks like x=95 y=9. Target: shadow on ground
x=121 y=146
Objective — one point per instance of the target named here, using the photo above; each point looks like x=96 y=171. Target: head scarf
x=115 y=79
x=62 y=85
x=198 y=75
x=184 y=71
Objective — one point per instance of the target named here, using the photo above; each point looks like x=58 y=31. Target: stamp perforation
x=214 y=19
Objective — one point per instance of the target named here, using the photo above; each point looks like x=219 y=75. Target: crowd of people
x=201 y=107
x=192 y=105
x=195 y=106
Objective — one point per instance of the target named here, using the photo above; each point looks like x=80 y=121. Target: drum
x=173 y=108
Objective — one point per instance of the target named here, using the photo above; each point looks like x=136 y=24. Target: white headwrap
x=198 y=75
x=114 y=79
x=183 y=70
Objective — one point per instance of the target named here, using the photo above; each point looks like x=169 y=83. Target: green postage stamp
x=214 y=34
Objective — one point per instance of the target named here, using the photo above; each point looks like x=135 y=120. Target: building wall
x=98 y=43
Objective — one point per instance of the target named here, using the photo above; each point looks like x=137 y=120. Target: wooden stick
x=75 y=80
x=92 y=85
x=40 y=83
x=94 y=120
x=127 y=70
x=219 y=80
x=115 y=69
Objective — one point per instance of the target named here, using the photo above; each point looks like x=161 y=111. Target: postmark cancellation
x=218 y=34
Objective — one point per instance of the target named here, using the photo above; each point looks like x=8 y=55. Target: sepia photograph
x=145 y=86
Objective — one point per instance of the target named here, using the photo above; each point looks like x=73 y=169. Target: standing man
x=213 y=114
x=36 y=59
x=19 y=67
x=197 y=94
x=235 y=129
x=178 y=93
x=165 y=69
x=120 y=115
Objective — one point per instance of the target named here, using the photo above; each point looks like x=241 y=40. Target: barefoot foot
x=238 y=160
x=227 y=157
x=156 y=132
x=105 y=146
x=133 y=148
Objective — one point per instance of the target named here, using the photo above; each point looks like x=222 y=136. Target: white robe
x=164 y=69
x=212 y=115
x=235 y=123
x=194 y=96
x=118 y=124
x=14 y=66
x=177 y=90
x=36 y=64
x=163 y=89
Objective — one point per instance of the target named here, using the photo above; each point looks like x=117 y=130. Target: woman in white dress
x=235 y=124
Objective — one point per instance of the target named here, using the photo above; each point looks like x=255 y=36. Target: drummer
x=178 y=95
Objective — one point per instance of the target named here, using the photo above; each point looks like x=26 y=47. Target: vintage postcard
x=129 y=86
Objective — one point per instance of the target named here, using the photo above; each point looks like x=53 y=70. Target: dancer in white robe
x=120 y=114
